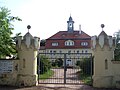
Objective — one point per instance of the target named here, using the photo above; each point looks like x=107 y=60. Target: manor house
x=69 y=41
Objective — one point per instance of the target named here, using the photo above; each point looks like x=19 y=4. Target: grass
x=46 y=75
x=85 y=78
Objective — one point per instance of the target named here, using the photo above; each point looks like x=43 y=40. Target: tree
x=117 y=49
x=7 y=46
x=42 y=42
x=15 y=37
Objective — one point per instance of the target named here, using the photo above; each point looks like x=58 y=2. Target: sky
x=48 y=17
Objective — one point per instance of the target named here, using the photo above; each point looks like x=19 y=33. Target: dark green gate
x=65 y=68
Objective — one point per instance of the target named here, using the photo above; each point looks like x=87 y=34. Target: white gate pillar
x=103 y=51
x=27 y=53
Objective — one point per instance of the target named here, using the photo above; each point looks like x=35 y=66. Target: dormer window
x=69 y=43
x=84 y=43
x=55 y=44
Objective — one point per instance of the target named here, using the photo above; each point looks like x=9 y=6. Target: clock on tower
x=70 y=25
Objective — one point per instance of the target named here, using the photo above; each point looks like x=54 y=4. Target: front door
x=69 y=63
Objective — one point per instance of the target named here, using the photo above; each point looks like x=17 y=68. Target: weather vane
x=102 y=26
x=28 y=27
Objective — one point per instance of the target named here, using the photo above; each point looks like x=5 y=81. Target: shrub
x=85 y=65
x=58 y=62
x=43 y=64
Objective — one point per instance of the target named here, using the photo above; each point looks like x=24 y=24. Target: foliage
x=117 y=52
x=7 y=47
x=117 y=49
x=42 y=42
x=58 y=62
x=43 y=64
x=78 y=63
x=46 y=75
x=87 y=79
x=15 y=37
x=85 y=65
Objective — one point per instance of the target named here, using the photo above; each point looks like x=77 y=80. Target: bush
x=85 y=65
x=58 y=62
x=43 y=64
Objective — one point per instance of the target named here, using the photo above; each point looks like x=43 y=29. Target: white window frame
x=84 y=43
x=69 y=43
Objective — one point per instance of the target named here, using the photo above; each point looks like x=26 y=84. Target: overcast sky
x=47 y=17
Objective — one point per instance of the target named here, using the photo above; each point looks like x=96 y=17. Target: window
x=82 y=51
x=69 y=52
x=69 y=43
x=23 y=63
x=84 y=43
x=78 y=51
x=69 y=60
x=106 y=64
x=50 y=51
x=47 y=51
x=60 y=52
x=54 y=52
x=86 y=51
x=55 y=44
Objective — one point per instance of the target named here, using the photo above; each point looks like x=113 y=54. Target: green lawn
x=46 y=75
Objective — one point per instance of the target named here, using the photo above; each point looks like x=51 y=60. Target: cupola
x=70 y=24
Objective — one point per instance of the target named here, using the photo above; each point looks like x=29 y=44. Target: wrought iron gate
x=64 y=68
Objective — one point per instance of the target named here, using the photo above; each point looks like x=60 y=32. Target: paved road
x=54 y=87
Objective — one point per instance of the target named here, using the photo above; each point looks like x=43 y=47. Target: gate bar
x=65 y=68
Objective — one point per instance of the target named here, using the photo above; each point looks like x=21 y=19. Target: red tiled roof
x=68 y=35
x=62 y=36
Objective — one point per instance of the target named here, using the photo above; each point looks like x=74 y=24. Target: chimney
x=80 y=29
